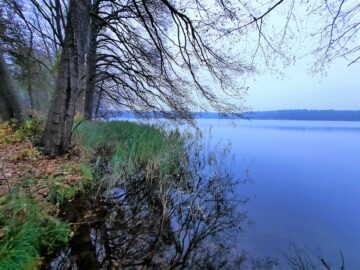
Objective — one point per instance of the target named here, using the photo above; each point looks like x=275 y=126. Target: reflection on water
x=178 y=216
x=306 y=184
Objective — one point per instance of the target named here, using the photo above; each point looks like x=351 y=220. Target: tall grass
x=123 y=134
x=27 y=230
x=132 y=147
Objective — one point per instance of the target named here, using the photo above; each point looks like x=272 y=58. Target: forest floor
x=22 y=166
x=34 y=188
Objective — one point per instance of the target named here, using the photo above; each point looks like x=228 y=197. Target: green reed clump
x=26 y=231
x=131 y=146
x=129 y=149
x=98 y=134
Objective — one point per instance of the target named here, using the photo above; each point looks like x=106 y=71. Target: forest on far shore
x=310 y=115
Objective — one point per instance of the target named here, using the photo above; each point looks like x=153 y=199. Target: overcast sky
x=299 y=89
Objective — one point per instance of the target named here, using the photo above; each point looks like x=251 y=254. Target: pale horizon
x=299 y=89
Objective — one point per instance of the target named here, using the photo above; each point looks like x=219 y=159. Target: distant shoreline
x=301 y=115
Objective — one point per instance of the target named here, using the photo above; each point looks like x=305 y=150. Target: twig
x=324 y=263
x=342 y=261
x=87 y=222
x=85 y=119
x=5 y=178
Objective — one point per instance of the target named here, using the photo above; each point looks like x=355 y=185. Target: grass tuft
x=27 y=230
x=60 y=191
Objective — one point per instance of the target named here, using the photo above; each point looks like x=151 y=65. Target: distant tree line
x=321 y=115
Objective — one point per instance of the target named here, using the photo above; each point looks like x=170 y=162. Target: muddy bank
x=84 y=214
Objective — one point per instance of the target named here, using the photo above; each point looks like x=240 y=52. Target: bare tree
x=31 y=62
x=90 y=84
x=57 y=134
x=299 y=258
x=163 y=55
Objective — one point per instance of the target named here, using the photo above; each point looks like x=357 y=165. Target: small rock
x=44 y=192
x=2 y=233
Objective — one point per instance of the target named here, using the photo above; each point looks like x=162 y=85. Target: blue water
x=306 y=184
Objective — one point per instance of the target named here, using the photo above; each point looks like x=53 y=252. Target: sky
x=299 y=89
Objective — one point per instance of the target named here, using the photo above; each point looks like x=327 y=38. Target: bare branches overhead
x=338 y=35
x=156 y=54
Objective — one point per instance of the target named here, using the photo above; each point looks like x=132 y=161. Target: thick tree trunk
x=9 y=100
x=91 y=67
x=57 y=134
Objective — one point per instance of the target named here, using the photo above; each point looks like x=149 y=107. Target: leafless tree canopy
x=152 y=56
x=179 y=55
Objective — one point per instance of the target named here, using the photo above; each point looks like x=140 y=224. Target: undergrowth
x=26 y=231
x=29 y=227
x=12 y=132
x=61 y=191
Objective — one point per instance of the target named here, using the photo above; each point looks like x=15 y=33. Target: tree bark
x=98 y=103
x=57 y=134
x=10 y=106
x=91 y=66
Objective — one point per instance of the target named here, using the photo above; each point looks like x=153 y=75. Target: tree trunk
x=9 y=100
x=98 y=103
x=31 y=96
x=91 y=67
x=57 y=134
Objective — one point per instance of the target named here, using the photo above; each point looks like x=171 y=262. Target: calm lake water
x=306 y=184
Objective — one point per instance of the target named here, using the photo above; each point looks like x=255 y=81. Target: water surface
x=306 y=184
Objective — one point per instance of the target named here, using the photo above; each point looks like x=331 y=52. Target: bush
x=32 y=129
x=7 y=134
x=11 y=132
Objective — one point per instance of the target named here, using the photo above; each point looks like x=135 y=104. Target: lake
x=306 y=184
